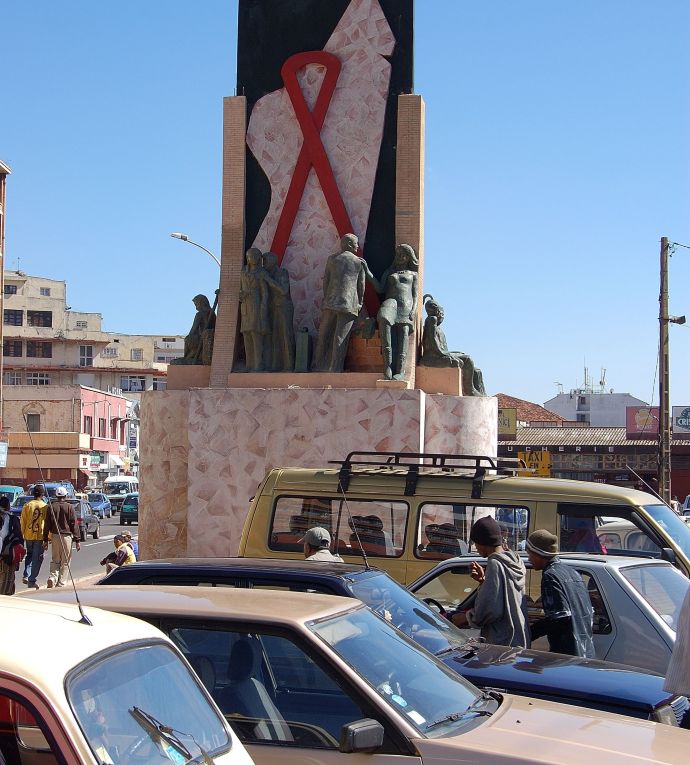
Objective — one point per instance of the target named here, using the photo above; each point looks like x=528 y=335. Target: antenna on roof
x=84 y=618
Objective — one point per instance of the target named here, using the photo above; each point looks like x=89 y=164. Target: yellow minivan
x=404 y=512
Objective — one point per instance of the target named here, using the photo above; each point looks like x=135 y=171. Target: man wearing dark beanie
x=499 y=607
x=567 y=607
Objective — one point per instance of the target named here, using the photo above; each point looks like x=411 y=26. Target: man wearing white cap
x=61 y=525
x=317 y=542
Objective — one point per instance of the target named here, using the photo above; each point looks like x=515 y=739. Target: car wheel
x=122 y=522
x=97 y=532
x=82 y=534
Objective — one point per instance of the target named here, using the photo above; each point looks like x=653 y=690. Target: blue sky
x=557 y=149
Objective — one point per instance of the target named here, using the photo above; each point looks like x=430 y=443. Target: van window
x=601 y=621
x=375 y=527
x=663 y=587
x=444 y=529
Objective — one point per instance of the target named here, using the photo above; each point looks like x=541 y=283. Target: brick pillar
x=232 y=238
x=409 y=195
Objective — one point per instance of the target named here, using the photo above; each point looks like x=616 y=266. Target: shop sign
x=507 y=424
x=642 y=422
x=538 y=463
x=680 y=420
x=95 y=460
x=3 y=453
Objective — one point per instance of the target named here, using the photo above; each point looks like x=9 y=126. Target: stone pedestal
x=207 y=450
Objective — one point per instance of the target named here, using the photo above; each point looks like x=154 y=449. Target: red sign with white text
x=642 y=422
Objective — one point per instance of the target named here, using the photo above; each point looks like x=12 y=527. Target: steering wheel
x=437 y=605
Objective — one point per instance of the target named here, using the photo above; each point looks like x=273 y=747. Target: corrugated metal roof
x=580 y=437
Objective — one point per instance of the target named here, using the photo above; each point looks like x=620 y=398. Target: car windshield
x=110 y=695
x=408 y=613
x=672 y=524
x=417 y=685
x=662 y=586
x=95 y=498
x=131 y=502
x=117 y=488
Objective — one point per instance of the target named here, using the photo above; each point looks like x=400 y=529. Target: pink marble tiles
x=351 y=136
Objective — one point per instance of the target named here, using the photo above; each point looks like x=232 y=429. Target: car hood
x=520 y=670
x=524 y=731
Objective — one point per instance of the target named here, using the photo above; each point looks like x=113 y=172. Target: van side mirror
x=668 y=554
x=361 y=736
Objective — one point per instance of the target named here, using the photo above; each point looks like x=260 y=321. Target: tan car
x=101 y=688
x=323 y=680
x=405 y=517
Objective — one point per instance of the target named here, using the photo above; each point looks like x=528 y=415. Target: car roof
x=274 y=565
x=594 y=559
x=290 y=609
x=31 y=620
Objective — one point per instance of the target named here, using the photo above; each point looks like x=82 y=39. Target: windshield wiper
x=471 y=711
x=159 y=732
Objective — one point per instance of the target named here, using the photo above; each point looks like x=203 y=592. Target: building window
x=33 y=423
x=10 y=289
x=166 y=358
x=35 y=349
x=133 y=383
x=45 y=291
x=159 y=383
x=137 y=354
x=12 y=378
x=88 y=424
x=86 y=355
x=37 y=378
x=109 y=353
x=13 y=318
x=101 y=427
x=39 y=318
x=168 y=339
x=12 y=348
x=82 y=324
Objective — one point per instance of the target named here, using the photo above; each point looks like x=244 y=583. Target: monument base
x=207 y=450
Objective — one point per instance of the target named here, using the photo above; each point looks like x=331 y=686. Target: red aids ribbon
x=313 y=154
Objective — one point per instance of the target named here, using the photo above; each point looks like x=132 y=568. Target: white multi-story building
x=46 y=342
x=598 y=408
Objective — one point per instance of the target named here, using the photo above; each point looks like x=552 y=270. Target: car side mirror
x=668 y=554
x=361 y=736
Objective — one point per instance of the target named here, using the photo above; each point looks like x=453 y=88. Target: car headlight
x=665 y=715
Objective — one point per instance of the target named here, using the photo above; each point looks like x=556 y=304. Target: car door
x=277 y=693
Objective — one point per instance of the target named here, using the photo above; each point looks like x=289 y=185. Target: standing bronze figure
x=254 y=324
x=281 y=345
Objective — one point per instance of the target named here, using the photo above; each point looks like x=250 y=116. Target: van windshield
x=117 y=488
x=672 y=524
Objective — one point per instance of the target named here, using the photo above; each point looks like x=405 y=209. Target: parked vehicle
x=51 y=486
x=405 y=516
x=11 y=492
x=19 y=502
x=88 y=521
x=104 y=694
x=306 y=678
x=636 y=603
x=685 y=509
x=116 y=487
x=100 y=504
x=129 y=510
x=567 y=679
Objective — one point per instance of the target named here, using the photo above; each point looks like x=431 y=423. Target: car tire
x=82 y=534
x=97 y=532
x=122 y=522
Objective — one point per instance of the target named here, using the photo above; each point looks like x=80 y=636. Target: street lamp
x=185 y=238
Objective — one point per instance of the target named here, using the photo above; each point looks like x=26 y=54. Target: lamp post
x=664 y=474
x=185 y=238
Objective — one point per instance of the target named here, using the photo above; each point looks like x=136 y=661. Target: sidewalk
x=79 y=582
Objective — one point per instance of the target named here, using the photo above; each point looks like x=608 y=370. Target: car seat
x=203 y=666
x=248 y=697
x=444 y=540
x=367 y=535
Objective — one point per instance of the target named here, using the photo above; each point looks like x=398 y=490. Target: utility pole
x=664 y=475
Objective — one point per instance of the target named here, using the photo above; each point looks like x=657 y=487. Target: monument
x=323 y=236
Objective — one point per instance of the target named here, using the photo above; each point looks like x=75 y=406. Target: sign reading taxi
x=538 y=463
x=507 y=424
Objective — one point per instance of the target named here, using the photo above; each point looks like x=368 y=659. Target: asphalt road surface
x=86 y=562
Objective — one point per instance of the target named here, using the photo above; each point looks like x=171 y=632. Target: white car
x=81 y=687
x=636 y=602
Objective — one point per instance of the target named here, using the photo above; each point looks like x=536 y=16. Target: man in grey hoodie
x=499 y=608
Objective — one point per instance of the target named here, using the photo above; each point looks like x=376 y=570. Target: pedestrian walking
x=499 y=609
x=678 y=672
x=11 y=547
x=317 y=542
x=61 y=523
x=32 y=521
x=567 y=606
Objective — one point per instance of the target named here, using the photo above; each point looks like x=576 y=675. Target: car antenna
x=84 y=618
x=353 y=525
x=651 y=490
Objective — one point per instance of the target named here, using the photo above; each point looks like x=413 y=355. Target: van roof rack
x=412 y=464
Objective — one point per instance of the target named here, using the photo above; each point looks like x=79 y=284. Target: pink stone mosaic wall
x=207 y=450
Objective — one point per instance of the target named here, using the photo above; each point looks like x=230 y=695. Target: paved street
x=86 y=562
